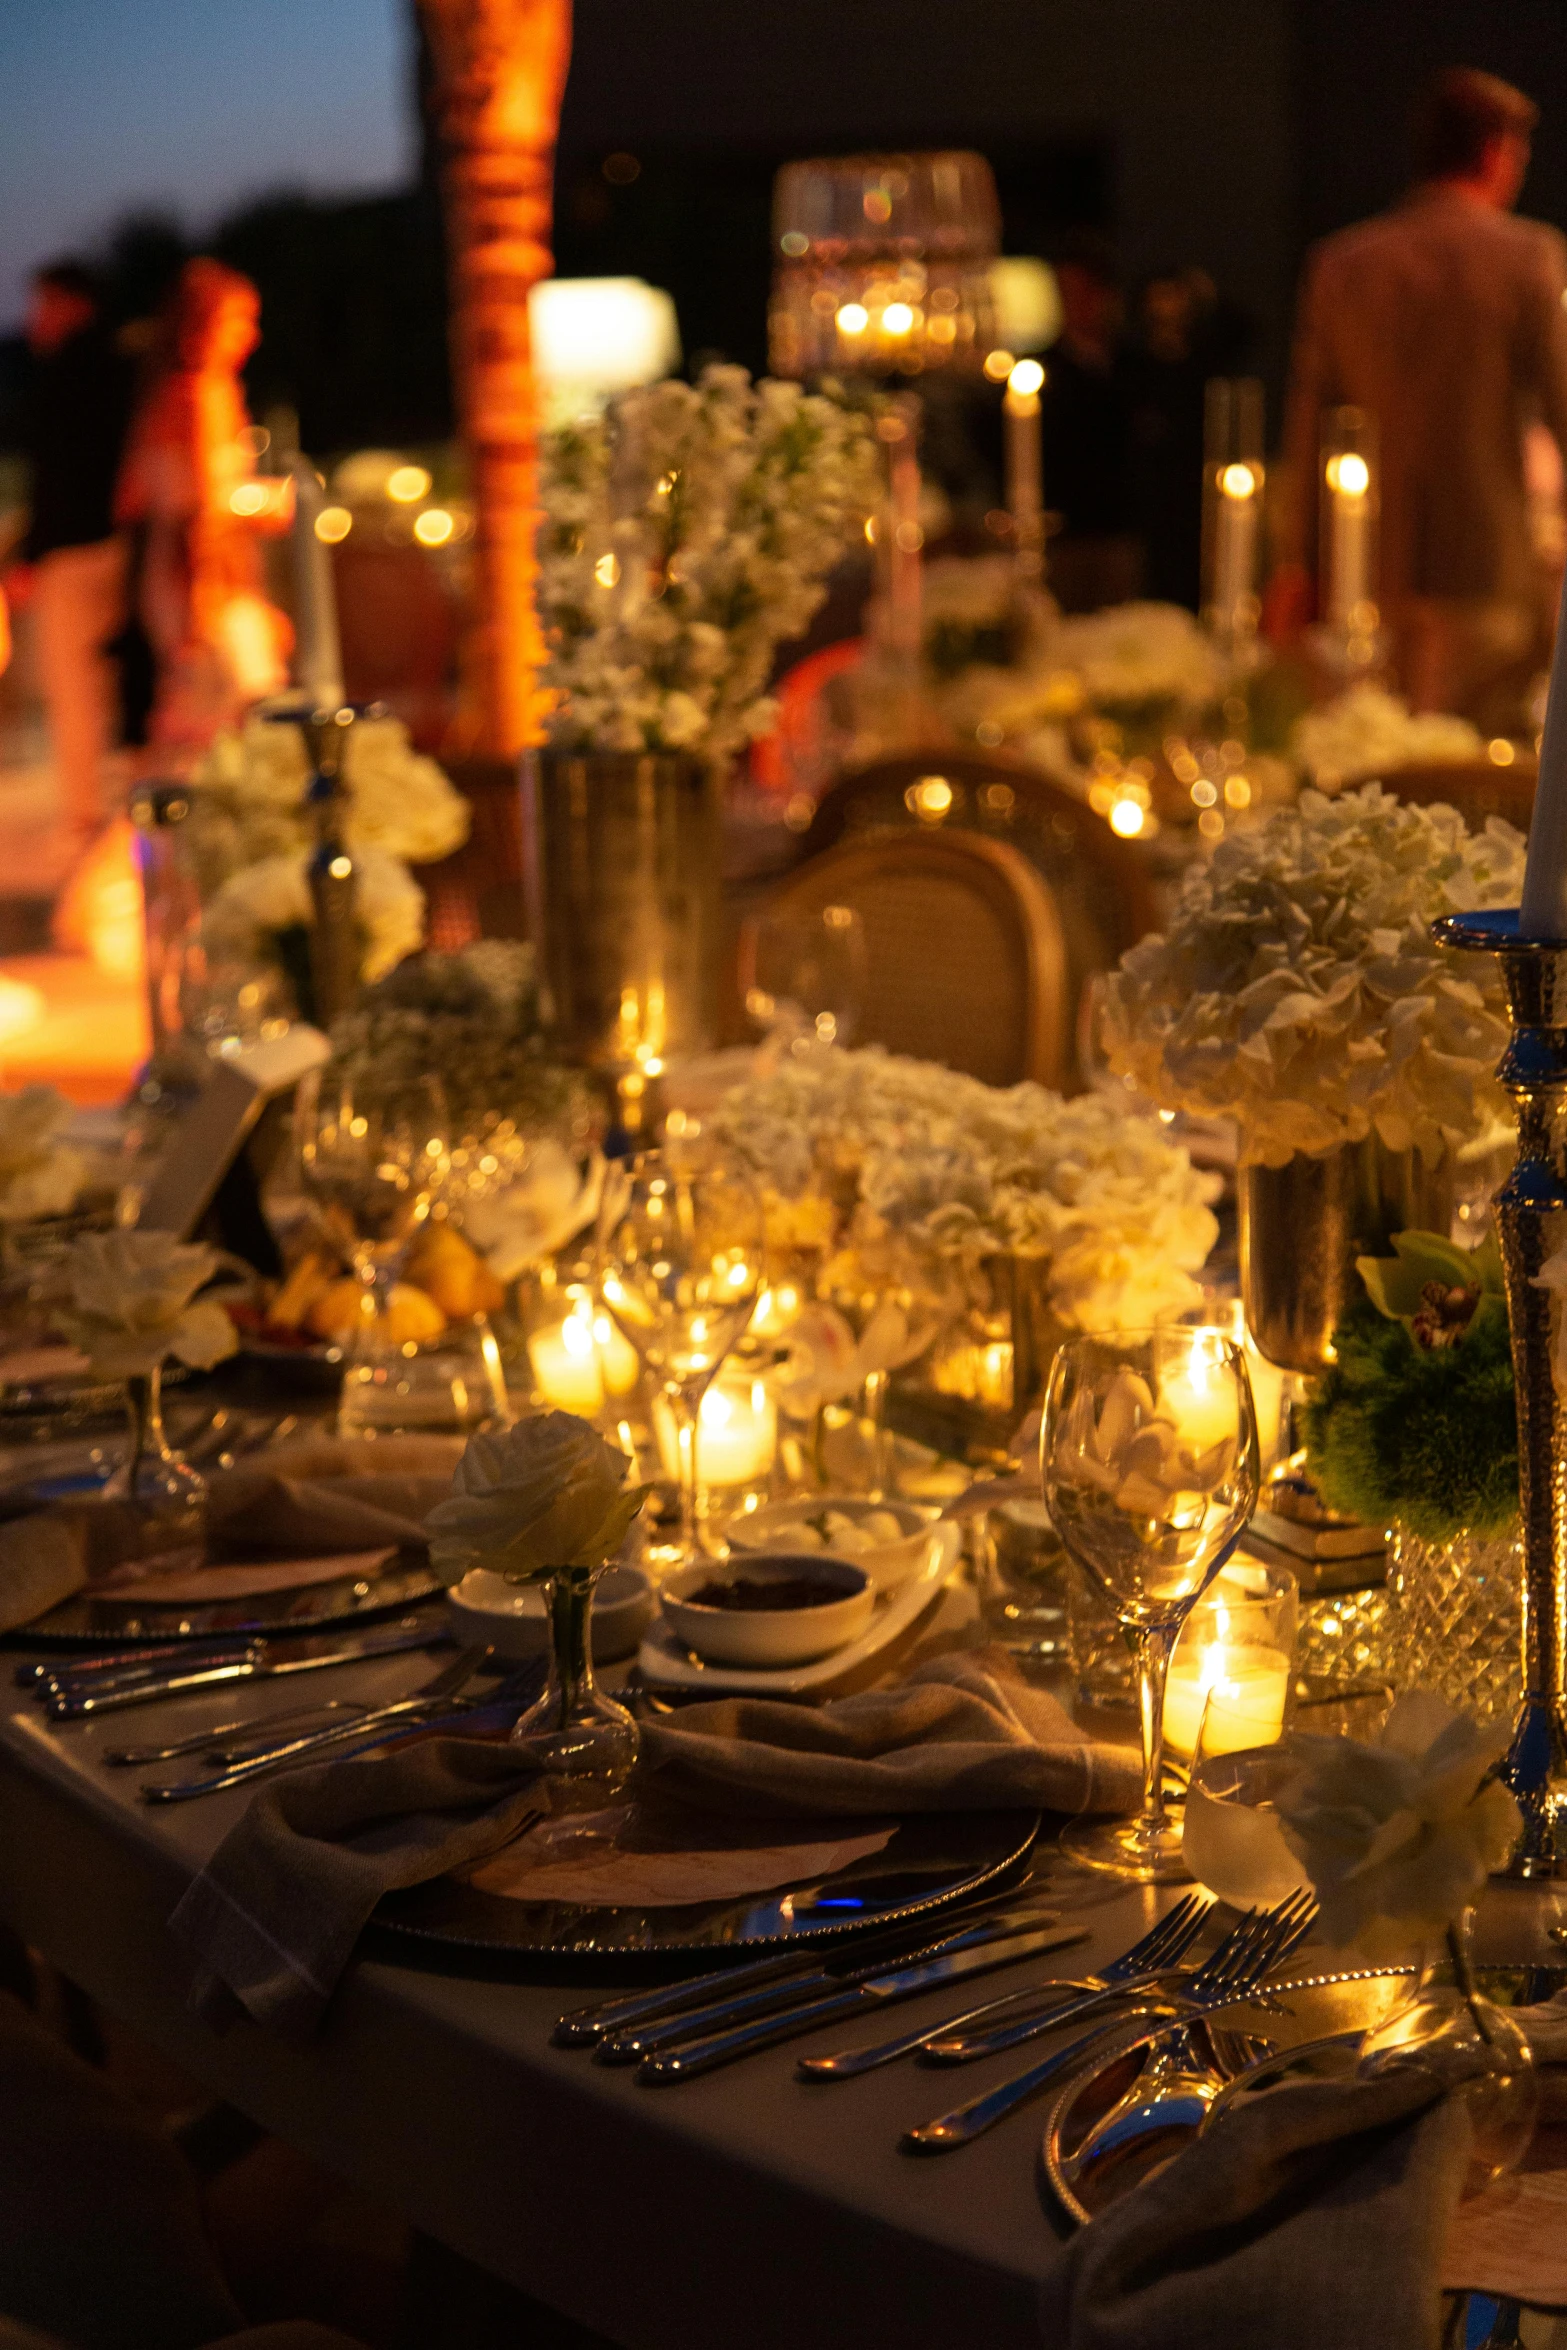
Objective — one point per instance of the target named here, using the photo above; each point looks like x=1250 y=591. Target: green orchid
x=1438 y=1290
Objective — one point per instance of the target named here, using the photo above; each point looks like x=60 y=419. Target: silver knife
x=762 y=1995
x=684 y=2062
x=248 y=1667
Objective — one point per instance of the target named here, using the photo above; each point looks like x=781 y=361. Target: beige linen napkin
x=1312 y=2219
x=320 y=1495
x=276 y=1912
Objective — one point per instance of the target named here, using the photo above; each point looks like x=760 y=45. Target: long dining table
x=655 y=2215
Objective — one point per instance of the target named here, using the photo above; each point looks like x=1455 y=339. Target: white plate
x=665 y=1662
x=485 y=1609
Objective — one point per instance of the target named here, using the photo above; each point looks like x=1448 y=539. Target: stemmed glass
x=1148 y=1452
x=680 y=1263
x=804 y=974
x=370 y=1169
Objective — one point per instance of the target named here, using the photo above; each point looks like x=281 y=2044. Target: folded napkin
x=319 y=1496
x=1313 y=2217
x=272 y=1919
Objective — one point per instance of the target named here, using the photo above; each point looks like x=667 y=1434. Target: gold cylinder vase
x=622 y=883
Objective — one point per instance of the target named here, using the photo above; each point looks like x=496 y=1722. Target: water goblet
x=681 y=1250
x=1148 y=1453
x=370 y=1169
x=803 y=975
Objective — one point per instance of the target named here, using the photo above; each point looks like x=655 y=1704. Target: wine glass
x=803 y=975
x=370 y=1168
x=1148 y=1452
x=681 y=1251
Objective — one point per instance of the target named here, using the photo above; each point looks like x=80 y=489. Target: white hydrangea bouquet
x=1370 y=732
x=878 y=1158
x=249 y=836
x=687 y=534
x=1298 y=990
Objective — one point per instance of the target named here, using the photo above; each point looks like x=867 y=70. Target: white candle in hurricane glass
x=1235 y=546
x=580 y=1362
x=737 y=1434
x=1349 y=536
x=1025 y=489
x=1237 y=1643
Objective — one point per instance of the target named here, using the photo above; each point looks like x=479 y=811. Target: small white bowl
x=771 y=1636
x=777 y=1525
x=485 y=1608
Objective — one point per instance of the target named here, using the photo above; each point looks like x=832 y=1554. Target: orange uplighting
x=433 y=527
x=407 y=484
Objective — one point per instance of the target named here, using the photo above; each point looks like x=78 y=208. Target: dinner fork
x=962 y=2047
x=1147 y=1961
x=1235 y=1968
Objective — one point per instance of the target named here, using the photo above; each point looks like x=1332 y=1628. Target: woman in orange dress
x=188 y=490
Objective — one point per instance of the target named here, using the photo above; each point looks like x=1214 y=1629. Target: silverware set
x=1146 y=1995
x=252 y=1746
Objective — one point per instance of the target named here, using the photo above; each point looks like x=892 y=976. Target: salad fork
x=1235 y=1969
x=1145 y=1964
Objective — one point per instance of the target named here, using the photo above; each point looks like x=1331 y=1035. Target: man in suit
x=1443 y=320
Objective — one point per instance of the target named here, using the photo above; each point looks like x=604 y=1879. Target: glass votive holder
x=578 y=1359
x=1023 y=1578
x=1237 y=1644
x=736 y=1444
x=437 y=1390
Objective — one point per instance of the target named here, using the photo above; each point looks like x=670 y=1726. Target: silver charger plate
x=929 y=1860
x=1310 y=2008
x=86 y=1622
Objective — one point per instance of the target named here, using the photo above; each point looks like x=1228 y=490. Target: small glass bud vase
x=1473 y=2048
x=164 y=1490
x=584 y=1742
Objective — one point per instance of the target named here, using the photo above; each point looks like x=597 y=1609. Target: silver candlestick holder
x=1531 y=1222
x=335 y=945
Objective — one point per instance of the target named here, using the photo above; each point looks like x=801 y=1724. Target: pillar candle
x=1235 y=546
x=1253 y=1683
x=1543 y=913
x=1349 y=535
x=737 y=1434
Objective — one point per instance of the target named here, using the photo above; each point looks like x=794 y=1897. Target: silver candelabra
x=1531 y=1222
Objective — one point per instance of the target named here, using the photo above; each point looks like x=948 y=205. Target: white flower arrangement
x=868 y=1152
x=40 y=1173
x=1368 y=732
x=250 y=908
x=1134 y=656
x=248 y=799
x=1298 y=990
x=687 y=534
x=1399 y=1836
x=128 y=1300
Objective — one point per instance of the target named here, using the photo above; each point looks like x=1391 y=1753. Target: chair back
x=1101 y=887
x=1477 y=788
x=965 y=957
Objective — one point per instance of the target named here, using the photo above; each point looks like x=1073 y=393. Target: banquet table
x=654 y=2215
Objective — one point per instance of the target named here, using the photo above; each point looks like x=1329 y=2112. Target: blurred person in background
x=72 y=427
x=219 y=645
x=1442 y=319
x=1093 y=558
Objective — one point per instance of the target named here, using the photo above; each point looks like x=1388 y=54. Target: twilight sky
x=189 y=107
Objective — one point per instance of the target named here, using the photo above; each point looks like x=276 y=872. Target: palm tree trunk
x=499 y=69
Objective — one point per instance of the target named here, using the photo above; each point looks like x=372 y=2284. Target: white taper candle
x=1543 y=913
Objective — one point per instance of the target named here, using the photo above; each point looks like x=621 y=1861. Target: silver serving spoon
x=1184 y=2074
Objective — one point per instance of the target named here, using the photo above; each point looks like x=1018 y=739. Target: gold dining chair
x=965 y=957
x=1102 y=887
x=1477 y=788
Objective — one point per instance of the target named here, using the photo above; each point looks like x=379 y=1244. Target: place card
x=178 y=1579
x=621 y=1858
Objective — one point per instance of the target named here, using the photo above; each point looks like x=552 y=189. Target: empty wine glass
x=804 y=974
x=1148 y=1452
x=370 y=1168
x=680 y=1264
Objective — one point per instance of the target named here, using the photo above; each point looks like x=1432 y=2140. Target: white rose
x=127 y=1303
x=548 y=1493
x=1398 y=1837
x=40 y=1175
